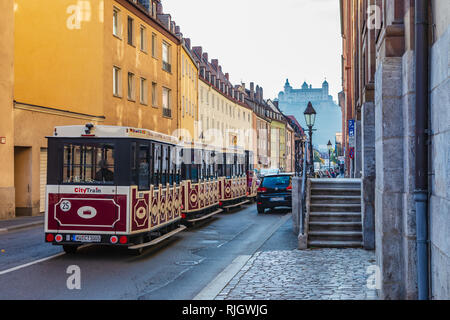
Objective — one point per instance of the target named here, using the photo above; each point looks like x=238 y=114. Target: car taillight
x=58 y=238
x=289 y=188
x=262 y=189
x=114 y=239
x=50 y=237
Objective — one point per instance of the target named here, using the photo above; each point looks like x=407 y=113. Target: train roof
x=103 y=131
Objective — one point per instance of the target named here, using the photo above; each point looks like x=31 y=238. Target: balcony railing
x=167 y=112
x=167 y=66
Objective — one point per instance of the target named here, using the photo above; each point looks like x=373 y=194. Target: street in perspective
x=136 y=166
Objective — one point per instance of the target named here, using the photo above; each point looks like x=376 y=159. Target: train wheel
x=70 y=249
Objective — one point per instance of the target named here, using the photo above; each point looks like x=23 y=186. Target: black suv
x=274 y=191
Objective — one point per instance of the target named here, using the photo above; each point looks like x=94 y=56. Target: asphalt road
x=179 y=268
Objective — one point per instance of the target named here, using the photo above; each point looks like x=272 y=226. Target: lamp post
x=310 y=119
x=329 y=145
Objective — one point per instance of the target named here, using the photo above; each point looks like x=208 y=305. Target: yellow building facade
x=107 y=62
x=188 y=99
x=229 y=117
x=7 y=190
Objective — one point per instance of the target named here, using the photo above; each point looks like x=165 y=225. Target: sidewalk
x=20 y=223
x=278 y=271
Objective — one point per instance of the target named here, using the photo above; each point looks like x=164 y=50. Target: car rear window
x=276 y=182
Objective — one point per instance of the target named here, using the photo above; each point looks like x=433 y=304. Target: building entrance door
x=22 y=180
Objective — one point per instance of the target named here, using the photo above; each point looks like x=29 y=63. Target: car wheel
x=260 y=209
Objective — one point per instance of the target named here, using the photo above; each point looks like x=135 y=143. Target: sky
x=266 y=41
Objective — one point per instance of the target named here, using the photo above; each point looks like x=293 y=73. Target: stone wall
x=440 y=164
x=368 y=174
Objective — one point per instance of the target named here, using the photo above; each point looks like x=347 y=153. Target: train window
x=221 y=164
x=88 y=163
x=165 y=165
x=156 y=164
x=144 y=167
x=172 y=165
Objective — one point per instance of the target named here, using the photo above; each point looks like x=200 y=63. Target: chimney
x=159 y=8
x=258 y=94
x=227 y=76
x=261 y=94
x=205 y=56
x=252 y=91
x=276 y=104
x=215 y=63
x=187 y=43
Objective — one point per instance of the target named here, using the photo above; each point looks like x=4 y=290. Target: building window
x=130 y=31
x=116 y=22
x=131 y=87
x=167 y=112
x=154 y=95
x=116 y=82
x=154 y=45
x=143 y=34
x=144 y=91
x=166 y=57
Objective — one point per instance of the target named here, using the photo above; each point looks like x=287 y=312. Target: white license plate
x=277 y=199
x=87 y=238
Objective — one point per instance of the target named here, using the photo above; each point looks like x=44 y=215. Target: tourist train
x=136 y=187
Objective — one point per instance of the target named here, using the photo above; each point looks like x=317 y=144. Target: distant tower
x=325 y=87
x=287 y=86
x=305 y=86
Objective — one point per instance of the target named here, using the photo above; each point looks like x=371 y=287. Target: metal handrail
x=302 y=217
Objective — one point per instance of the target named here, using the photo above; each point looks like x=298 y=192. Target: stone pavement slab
x=318 y=274
x=279 y=271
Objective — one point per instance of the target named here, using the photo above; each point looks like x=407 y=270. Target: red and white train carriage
x=134 y=187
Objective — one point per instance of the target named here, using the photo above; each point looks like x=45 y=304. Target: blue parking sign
x=351 y=128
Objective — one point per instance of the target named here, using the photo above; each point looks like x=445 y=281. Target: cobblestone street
x=285 y=273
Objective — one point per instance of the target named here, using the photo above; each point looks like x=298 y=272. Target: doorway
x=22 y=180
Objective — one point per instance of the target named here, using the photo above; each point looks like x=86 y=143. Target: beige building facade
x=7 y=191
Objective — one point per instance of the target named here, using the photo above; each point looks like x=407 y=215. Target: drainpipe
x=421 y=145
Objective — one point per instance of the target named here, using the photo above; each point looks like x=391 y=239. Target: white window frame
x=117 y=81
x=116 y=23
x=131 y=86
x=143 y=91
x=143 y=38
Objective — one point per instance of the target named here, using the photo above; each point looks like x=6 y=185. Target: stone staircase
x=335 y=213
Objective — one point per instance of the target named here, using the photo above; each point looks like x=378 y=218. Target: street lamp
x=310 y=119
x=330 y=146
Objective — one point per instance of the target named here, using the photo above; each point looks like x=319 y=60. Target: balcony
x=167 y=112
x=167 y=66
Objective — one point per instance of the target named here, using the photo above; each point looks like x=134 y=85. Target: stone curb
x=21 y=226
